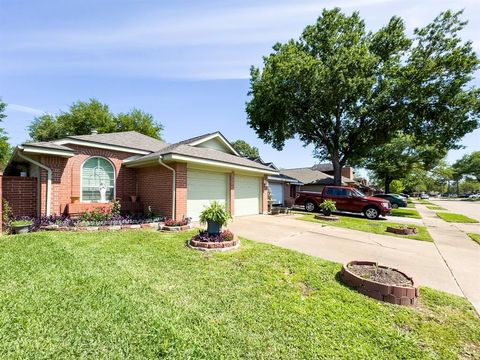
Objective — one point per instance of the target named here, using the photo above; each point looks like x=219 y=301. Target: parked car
x=395 y=200
x=424 y=196
x=346 y=199
x=474 y=196
x=406 y=196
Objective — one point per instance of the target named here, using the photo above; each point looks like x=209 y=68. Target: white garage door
x=277 y=193
x=247 y=195
x=204 y=187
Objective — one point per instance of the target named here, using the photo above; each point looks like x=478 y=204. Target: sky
x=186 y=62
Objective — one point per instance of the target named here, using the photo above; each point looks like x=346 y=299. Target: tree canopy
x=469 y=165
x=347 y=91
x=5 y=148
x=245 y=149
x=83 y=117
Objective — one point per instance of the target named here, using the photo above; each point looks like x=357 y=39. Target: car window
x=331 y=191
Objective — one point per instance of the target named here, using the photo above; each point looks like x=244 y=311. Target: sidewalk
x=421 y=259
x=461 y=253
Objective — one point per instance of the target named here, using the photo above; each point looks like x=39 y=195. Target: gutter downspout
x=174 y=187
x=49 y=179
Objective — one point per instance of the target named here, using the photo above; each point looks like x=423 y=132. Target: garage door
x=277 y=193
x=247 y=195
x=204 y=187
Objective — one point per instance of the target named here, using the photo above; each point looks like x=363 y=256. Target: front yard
x=406 y=212
x=373 y=226
x=456 y=218
x=145 y=295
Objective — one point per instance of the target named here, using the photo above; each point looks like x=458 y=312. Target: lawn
x=475 y=237
x=405 y=212
x=457 y=218
x=145 y=295
x=435 y=207
x=372 y=226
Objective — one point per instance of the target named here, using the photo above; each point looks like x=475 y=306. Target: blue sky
x=185 y=62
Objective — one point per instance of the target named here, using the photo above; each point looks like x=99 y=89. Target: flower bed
x=176 y=225
x=380 y=282
x=113 y=222
x=402 y=230
x=223 y=241
x=327 y=218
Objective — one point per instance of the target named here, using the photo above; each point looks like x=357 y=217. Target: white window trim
x=114 y=179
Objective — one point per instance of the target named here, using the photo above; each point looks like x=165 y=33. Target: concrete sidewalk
x=419 y=258
x=461 y=253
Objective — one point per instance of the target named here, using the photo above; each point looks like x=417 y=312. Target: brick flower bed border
x=176 y=228
x=155 y=225
x=402 y=230
x=214 y=246
x=392 y=294
x=327 y=218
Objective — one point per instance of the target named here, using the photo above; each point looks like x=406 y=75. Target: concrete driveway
x=419 y=258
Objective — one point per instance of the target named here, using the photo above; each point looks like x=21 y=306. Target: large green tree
x=245 y=149
x=347 y=91
x=469 y=165
x=83 y=117
x=5 y=148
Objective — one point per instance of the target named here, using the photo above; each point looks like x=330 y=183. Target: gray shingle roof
x=129 y=139
x=47 y=145
x=309 y=176
x=207 y=154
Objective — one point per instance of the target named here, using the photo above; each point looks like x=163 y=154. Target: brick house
x=80 y=173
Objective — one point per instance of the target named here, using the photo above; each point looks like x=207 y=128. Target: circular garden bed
x=380 y=282
x=403 y=230
x=223 y=241
x=327 y=218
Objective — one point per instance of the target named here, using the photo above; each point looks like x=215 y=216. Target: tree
x=83 y=117
x=469 y=164
x=245 y=149
x=347 y=91
x=5 y=148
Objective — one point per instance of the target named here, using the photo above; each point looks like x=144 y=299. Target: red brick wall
x=181 y=190
x=66 y=173
x=265 y=194
x=155 y=189
x=21 y=194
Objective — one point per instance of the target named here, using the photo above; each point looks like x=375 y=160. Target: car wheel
x=394 y=206
x=371 y=213
x=310 y=206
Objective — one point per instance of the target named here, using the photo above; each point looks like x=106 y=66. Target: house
x=314 y=179
x=80 y=173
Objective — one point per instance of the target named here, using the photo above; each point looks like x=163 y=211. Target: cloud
x=25 y=109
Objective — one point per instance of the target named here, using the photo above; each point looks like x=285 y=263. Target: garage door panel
x=247 y=195
x=204 y=187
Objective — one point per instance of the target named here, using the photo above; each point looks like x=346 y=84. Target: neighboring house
x=80 y=173
x=327 y=168
x=313 y=179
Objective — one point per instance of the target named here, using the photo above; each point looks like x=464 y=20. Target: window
x=337 y=192
x=98 y=180
x=293 y=191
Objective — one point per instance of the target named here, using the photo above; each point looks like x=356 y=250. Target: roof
x=47 y=145
x=285 y=178
x=128 y=139
x=204 y=153
x=310 y=176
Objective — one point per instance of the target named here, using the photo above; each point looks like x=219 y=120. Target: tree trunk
x=388 y=181
x=337 y=171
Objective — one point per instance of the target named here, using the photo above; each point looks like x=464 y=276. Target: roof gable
x=215 y=141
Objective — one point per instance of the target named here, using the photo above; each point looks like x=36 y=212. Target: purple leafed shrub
x=204 y=236
x=173 y=222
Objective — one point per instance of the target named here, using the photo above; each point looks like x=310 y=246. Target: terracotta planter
x=133 y=198
x=394 y=294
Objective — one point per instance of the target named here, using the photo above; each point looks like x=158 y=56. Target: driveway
x=419 y=258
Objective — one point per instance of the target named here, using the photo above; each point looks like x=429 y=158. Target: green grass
x=424 y=202
x=457 y=218
x=144 y=295
x=475 y=237
x=406 y=212
x=411 y=205
x=435 y=207
x=371 y=226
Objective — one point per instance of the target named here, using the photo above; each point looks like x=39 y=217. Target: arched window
x=98 y=180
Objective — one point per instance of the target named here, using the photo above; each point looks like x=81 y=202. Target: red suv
x=346 y=199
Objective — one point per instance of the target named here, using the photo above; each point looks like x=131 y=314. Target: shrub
x=21 y=223
x=327 y=207
x=7 y=216
x=173 y=222
x=204 y=236
x=217 y=213
x=116 y=208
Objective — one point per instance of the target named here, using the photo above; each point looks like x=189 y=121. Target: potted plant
x=215 y=216
x=21 y=226
x=327 y=207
